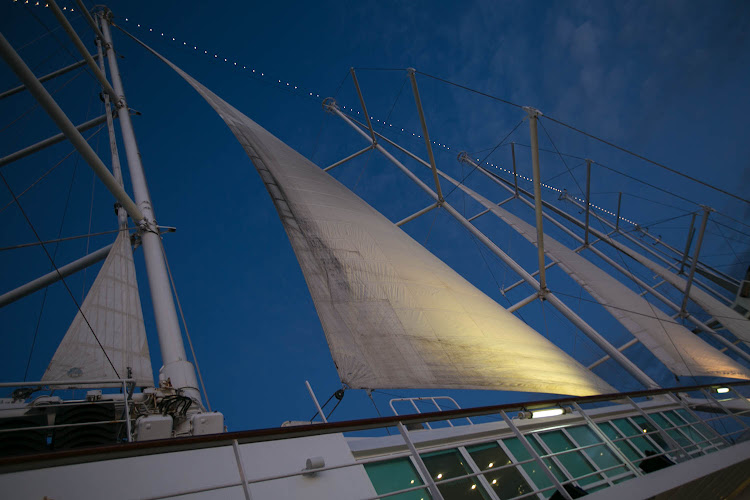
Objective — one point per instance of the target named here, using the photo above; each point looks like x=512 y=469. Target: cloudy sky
x=667 y=80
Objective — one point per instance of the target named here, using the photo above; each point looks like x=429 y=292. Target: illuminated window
x=394 y=475
x=507 y=482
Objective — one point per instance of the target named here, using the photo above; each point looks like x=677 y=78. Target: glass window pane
x=574 y=462
x=448 y=464
x=624 y=446
x=627 y=428
x=583 y=435
x=507 y=483
x=661 y=421
x=538 y=476
x=396 y=475
x=646 y=426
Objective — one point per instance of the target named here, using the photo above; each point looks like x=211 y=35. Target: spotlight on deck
x=722 y=390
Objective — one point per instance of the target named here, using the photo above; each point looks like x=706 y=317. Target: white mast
x=176 y=368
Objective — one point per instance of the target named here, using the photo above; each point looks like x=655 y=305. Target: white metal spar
x=176 y=367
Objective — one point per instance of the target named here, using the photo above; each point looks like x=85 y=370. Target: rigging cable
x=54 y=255
x=70 y=292
x=184 y=323
x=45 y=174
x=641 y=157
x=561 y=157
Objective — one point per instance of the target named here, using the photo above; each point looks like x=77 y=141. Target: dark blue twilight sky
x=665 y=79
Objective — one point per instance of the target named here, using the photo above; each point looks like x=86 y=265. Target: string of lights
x=304 y=91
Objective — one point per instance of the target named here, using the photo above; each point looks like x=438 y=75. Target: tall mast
x=176 y=366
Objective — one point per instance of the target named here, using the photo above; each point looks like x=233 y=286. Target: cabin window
x=573 y=461
x=698 y=432
x=628 y=449
x=448 y=464
x=508 y=482
x=532 y=469
x=394 y=475
x=600 y=454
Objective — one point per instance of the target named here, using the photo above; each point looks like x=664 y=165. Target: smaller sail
x=681 y=351
x=112 y=310
x=733 y=321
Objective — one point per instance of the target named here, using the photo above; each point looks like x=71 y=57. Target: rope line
x=184 y=324
x=641 y=157
x=70 y=292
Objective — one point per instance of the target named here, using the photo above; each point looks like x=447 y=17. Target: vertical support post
x=425 y=132
x=696 y=254
x=688 y=243
x=125 y=397
x=534 y=115
x=241 y=469
x=434 y=492
x=531 y=451
x=619 y=203
x=362 y=102
x=176 y=367
x=122 y=215
x=315 y=400
x=515 y=174
x=588 y=202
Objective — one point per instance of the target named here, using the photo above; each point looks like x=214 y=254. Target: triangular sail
x=733 y=321
x=112 y=309
x=683 y=352
x=394 y=315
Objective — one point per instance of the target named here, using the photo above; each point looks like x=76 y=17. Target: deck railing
x=599 y=442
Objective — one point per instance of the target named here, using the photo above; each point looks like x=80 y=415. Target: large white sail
x=394 y=315
x=112 y=309
x=683 y=352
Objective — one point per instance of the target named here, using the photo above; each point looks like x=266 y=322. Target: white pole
x=122 y=216
x=694 y=263
x=49 y=141
x=54 y=276
x=81 y=48
x=62 y=121
x=315 y=400
x=423 y=122
x=176 y=367
x=533 y=117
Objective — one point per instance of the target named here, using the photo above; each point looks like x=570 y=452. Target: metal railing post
x=241 y=469
x=611 y=445
x=436 y=495
x=531 y=451
x=679 y=450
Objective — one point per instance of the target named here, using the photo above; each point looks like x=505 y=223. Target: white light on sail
x=683 y=352
x=728 y=317
x=113 y=309
x=394 y=315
